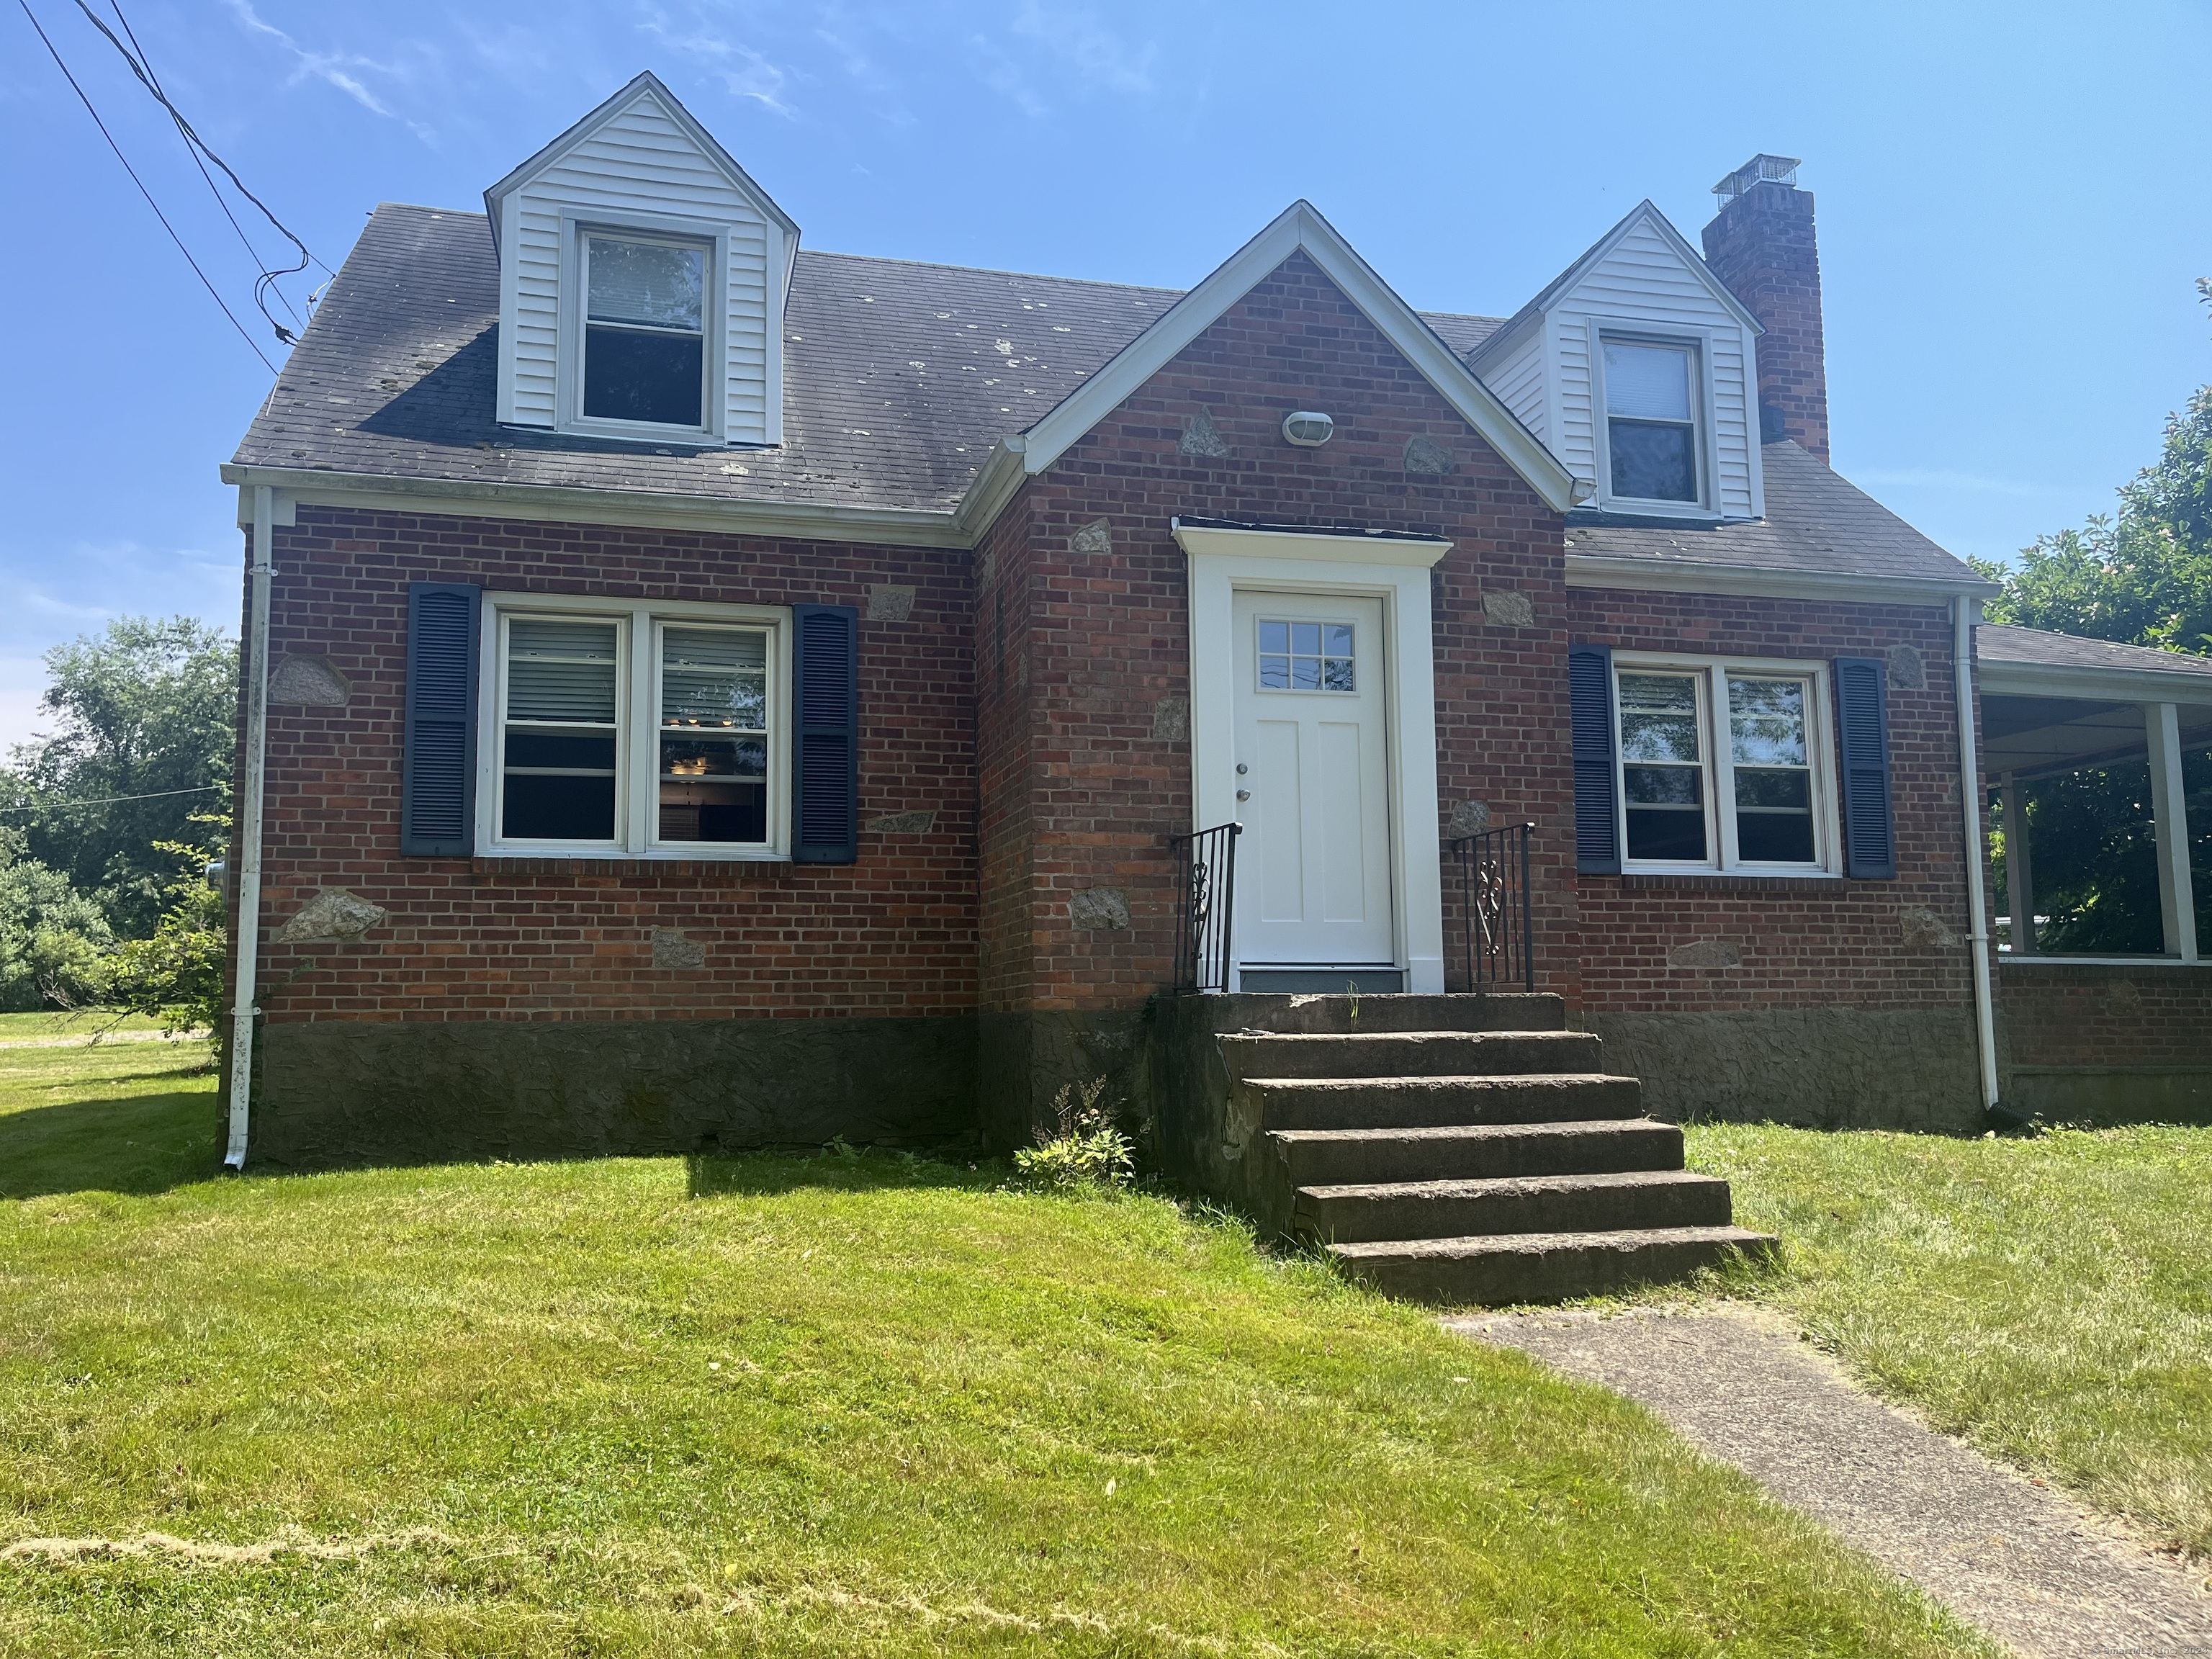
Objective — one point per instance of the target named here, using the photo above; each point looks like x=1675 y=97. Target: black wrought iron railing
x=1498 y=934
x=1206 y=911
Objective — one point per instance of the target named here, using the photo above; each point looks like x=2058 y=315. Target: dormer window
x=645 y=332
x=1651 y=401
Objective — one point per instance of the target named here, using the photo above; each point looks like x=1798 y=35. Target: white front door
x=1313 y=777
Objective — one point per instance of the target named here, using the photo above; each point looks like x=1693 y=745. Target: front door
x=1313 y=780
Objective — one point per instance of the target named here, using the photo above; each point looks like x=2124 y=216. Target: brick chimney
x=1762 y=248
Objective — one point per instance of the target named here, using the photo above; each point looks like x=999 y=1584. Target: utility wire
x=143 y=191
x=268 y=278
x=111 y=800
x=214 y=189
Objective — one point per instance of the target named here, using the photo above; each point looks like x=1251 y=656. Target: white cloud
x=1075 y=35
x=746 y=73
x=1004 y=77
x=335 y=69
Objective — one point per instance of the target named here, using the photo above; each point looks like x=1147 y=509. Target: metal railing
x=1498 y=933
x=1205 y=909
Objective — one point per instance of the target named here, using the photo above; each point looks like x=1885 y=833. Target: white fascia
x=633 y=508
x=1712 y=576
x=1395 y=570
x=2135 y=686
x=1300 y=226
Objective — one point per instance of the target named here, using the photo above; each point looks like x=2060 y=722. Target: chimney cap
x=1759 y=170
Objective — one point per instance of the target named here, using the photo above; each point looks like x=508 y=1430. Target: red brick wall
x=2106 y=1015
x=1108 y=632
x=501 y=938
x=1874 y=944
x=1004 y=782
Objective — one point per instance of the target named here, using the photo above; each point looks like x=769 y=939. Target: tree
x=176 y=976
x=145 y=709
x=52 y=936
x=2143 y=578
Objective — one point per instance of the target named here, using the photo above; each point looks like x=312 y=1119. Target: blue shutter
x=1863 y=732
x=826 y=767
x=1597 y=779
x=438 y=767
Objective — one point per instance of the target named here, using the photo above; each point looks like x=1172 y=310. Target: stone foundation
x=341 y=1092
x=1819 y=1068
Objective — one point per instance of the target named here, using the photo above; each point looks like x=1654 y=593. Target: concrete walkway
x=2023 y=1563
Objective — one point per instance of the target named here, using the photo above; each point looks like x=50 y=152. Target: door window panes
x=644 y=330
x=559 y=738
x=1773 y=776
x=1306 y=656
x=1663 y=771
x=1651 y=426
x=714 y=735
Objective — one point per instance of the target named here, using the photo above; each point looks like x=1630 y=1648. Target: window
x=645 y=334
x=1721 y=767
x=1651 y=396
x=1305 y=656
x=643 y=729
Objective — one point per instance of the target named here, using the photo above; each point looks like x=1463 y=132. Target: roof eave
x=1768 y=581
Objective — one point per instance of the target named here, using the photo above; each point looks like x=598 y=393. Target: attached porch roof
x=2053 y=703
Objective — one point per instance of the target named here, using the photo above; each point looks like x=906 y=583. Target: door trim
x=1394 y=569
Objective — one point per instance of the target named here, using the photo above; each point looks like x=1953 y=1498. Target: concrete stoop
x=1458 y=1149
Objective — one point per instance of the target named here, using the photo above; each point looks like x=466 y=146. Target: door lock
x=1241 y=769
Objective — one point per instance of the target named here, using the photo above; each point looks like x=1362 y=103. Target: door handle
x=1243 y=794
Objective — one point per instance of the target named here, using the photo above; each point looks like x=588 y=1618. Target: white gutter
x=255 y=667
x=1970 y=798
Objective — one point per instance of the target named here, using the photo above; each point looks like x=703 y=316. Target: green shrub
x=52 y=936
x=1089 y=1150
x=176 y=976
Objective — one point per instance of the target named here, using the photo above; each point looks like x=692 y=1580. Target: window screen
x=1650 y=424
x=1663 y=770
x=1773 y=778
x=644 y=330
x=714 y=734
x=559 y=740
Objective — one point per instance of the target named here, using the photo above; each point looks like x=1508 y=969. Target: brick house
x=722 y=693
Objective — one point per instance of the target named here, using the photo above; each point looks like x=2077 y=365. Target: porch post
x=2176 y=901
x=2020 y=870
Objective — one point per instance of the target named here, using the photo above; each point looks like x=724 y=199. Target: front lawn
x=833 y=1405
x=2048 y=1298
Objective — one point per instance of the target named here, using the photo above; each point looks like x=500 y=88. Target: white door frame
x=1393 y=569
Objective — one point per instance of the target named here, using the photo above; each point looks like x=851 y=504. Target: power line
x=214 y=189
x=268 y=278
x=113 y=800
x=212 y=293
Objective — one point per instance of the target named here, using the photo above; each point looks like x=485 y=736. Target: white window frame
x=1699 y=343
x=569 y=366
x=1720 y=767
x=637 y=743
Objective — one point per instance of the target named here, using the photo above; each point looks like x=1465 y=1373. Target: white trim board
x=1711 y=576
x=1223 y=561
x=632 y=508
x=2132 y=685
x=1300 y=227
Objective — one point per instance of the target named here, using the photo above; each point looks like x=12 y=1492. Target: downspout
x=1970 y=798
x=242 y=1011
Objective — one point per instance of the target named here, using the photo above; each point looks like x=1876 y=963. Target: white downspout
x=1970 y=797
x=256 y=666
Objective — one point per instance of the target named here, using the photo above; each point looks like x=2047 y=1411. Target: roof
x=1818 y=525
x=2036 y=648
x=899 y=377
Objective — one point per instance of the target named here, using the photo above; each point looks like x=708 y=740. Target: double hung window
x=1722 y=766
x=645 y=329
x=627 y=727
x=1652 y=400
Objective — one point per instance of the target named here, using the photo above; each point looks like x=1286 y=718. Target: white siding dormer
x=1645 y=291
x=639 y=178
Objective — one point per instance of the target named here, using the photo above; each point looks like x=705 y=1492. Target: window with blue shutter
x=1597 y=819
x=438 y=772
x=1862 y=746
x=826 y=726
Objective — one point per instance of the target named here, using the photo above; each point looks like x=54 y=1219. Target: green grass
x=2050 y=1299
x=74 y=1023
x=834 y=1406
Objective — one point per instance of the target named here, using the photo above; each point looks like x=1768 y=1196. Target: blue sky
x=2014 y=201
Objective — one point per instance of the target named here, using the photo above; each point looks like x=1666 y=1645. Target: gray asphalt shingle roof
x=1996 y=643
x=1817 y=522
x=899 y=378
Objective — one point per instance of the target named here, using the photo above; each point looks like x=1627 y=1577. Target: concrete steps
x=1465 y=1149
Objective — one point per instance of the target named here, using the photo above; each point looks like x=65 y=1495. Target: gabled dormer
x=1639 y=370
x=642 y=278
